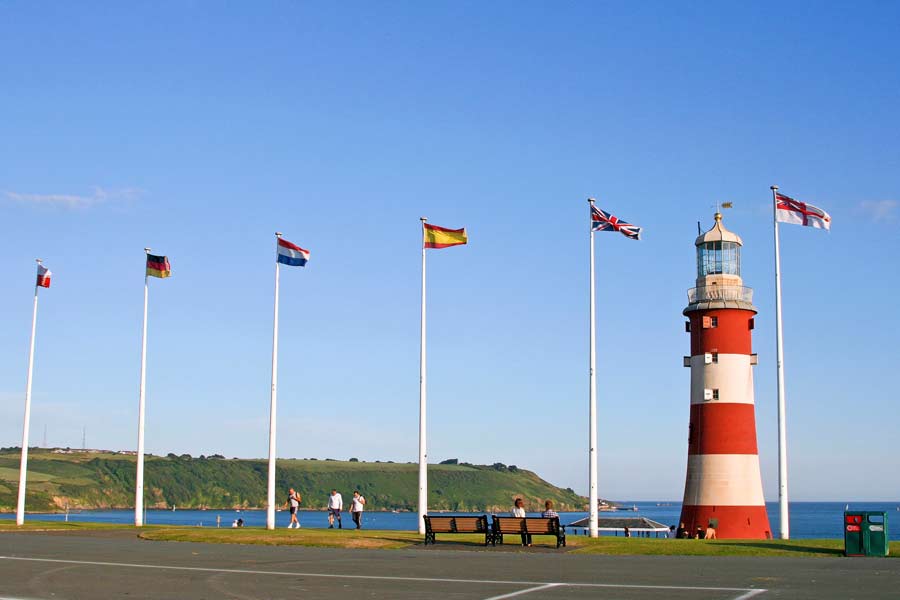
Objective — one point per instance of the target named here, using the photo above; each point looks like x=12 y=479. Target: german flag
x=158 y=266
x=441 y=237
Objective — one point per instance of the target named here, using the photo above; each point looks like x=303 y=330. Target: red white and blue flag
x=292 y=254
x=603 y=221
x=788 y=210
x=43 y=276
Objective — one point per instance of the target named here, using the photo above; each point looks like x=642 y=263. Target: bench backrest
x=543 y=525
x=535 y=525
x=472 y=524
x=456 y=524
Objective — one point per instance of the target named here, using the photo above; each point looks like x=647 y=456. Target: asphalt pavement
x=100 y=565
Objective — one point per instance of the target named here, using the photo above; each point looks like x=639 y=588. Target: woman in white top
x=356 y=508
x=519 y=511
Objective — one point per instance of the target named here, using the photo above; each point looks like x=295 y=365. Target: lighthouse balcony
x=721 y=293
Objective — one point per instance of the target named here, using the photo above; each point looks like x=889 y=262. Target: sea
x=808 y=519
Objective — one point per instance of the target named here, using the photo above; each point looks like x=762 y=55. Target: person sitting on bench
x=519 y=511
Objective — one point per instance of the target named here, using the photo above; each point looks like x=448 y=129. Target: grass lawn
x=323 y=538
x=652 y=546
x=350 y=538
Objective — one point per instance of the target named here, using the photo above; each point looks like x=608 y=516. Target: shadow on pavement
x=788 y=548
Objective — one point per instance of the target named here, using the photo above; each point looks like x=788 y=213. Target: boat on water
x=605 y=507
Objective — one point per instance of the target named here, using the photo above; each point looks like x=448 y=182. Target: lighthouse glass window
x=716 y=258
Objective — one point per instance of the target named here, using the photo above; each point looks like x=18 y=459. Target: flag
x=441 y=237
x=158 y=266
x=603 y=221
x=788 y=210
x=292 y=254
x=43 y=276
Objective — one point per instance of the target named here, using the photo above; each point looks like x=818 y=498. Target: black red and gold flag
x=158 y=266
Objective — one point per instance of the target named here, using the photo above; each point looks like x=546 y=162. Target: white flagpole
x=270 y=496
x=593 y=403
x=139 y=477
x=423 y=454
x=779 y=359
x=23 y=467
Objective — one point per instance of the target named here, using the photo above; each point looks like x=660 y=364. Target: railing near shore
x=710 y=293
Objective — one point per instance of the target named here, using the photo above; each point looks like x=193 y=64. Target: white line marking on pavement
x=752 y=592
x=523 y=592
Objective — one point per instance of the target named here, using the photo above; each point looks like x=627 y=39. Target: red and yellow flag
x=441 y=237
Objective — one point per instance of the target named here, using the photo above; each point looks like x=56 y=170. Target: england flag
x=788 y=210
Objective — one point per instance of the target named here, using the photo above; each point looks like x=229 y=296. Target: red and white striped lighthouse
x=723 y=486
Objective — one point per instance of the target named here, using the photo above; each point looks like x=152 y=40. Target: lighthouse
x=723 y=487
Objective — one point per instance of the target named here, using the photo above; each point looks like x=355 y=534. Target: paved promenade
x=115 y=564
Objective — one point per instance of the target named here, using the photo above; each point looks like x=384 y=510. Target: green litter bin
x=865 y=533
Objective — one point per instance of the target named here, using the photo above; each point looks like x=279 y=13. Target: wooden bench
x=449 y=524
x=528 y=525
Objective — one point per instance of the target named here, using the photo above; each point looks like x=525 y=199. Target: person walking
x=356 y=508
x=519 y=511
x=293 y=502
x=335 y=505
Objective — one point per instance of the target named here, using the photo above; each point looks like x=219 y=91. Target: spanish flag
x=158 y=266
x=441 y=237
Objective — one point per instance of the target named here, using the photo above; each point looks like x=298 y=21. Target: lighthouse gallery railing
x=711 y=293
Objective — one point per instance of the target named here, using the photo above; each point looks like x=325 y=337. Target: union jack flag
x=603 y=221
x=788 y=210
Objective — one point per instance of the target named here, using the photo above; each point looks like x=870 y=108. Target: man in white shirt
x=335 y=505
x=356 y=508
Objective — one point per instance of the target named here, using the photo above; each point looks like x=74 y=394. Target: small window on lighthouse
x=714 y=357
x=715 y=394
x=714 y=321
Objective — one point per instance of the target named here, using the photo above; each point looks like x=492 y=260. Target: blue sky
x=199 y=129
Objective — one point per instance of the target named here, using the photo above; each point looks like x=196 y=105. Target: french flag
x=292 y=254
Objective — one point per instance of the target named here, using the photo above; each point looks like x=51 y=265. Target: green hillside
x=86 y=480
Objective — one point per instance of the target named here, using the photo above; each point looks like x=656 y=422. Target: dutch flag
x=291 y=254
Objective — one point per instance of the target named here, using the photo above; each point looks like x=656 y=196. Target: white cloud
x=97 y=196
x=880 y=210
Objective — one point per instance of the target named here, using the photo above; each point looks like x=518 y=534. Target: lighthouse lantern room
x=723 y=488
